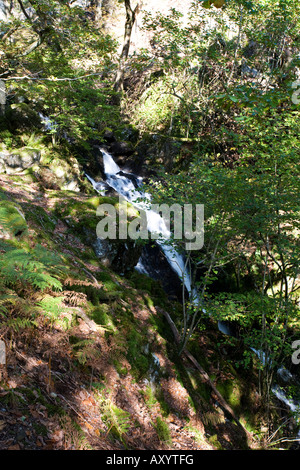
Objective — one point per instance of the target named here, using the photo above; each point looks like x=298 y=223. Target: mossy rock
x=80 y=214
x=12 y=220
x=142 y=282
x=19 y=160
x=213 y=440
x=102 y=316
x=22 y=116
x=162 y=430
x=59 y=174
x=40 y=215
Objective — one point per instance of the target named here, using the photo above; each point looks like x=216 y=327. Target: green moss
x=153 y=291
x=79 y=213
x=165 y=408
x=40 y=429
x=213 y=440
x=140 y=362
x=148 y=301
x=97 y=295
x=104 y=276
x=149 y=396
x=162 y=430
x=122 y=370
x=40 y=216
x=102 y=316
x=3 y=195
x=231 y=392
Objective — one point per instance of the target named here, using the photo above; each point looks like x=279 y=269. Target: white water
x=129 y=186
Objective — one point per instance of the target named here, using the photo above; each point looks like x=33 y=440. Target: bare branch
x=53 y=79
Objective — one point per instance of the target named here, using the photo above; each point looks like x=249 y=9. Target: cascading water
x=130 y=187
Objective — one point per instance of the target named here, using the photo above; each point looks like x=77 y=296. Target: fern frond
x=12 y=221
x=51 y=306
x=36 y=268
x=19 y=323
x=117 y=420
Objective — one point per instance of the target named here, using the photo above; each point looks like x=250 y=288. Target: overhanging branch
x=53 y=79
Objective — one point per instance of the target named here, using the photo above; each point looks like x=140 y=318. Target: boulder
x=57 y=173
x=121 y=256
x=121 y=148
x=18 y=160
x=109 y=136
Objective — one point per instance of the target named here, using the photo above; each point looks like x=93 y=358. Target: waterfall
x=129 y=186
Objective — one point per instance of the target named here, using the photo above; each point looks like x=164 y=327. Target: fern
x=38 y=268
x=86 y=350
x=17 y=313
x=51 y=306
x=4 y=298
x=12 y=220
x=18 y=323
x=117 y=420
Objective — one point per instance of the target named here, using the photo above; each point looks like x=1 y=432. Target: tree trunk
x=97 y=5
x=2 y=97
x=130 y=19
x=44 y=28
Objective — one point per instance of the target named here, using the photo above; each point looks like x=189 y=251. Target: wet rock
x=154 y=263
x=109 y=136
x=121 y=148
x=120 y=256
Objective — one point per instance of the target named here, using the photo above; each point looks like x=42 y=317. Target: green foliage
x=51 y=307
x=140 y=363
x=230 y=93
x=85 y=351
x=57 y=49
x=37 y=268
x=162 y=430
x=116 y=420
x=16 y=314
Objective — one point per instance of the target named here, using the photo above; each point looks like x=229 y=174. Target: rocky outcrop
x=121 y=256
x=18 y=160
x=80 y=216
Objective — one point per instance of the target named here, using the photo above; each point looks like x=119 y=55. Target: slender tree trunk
x=97 y=5
x=130 y=19
x=44 y=27
x=2 y=97
x=205 y=377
